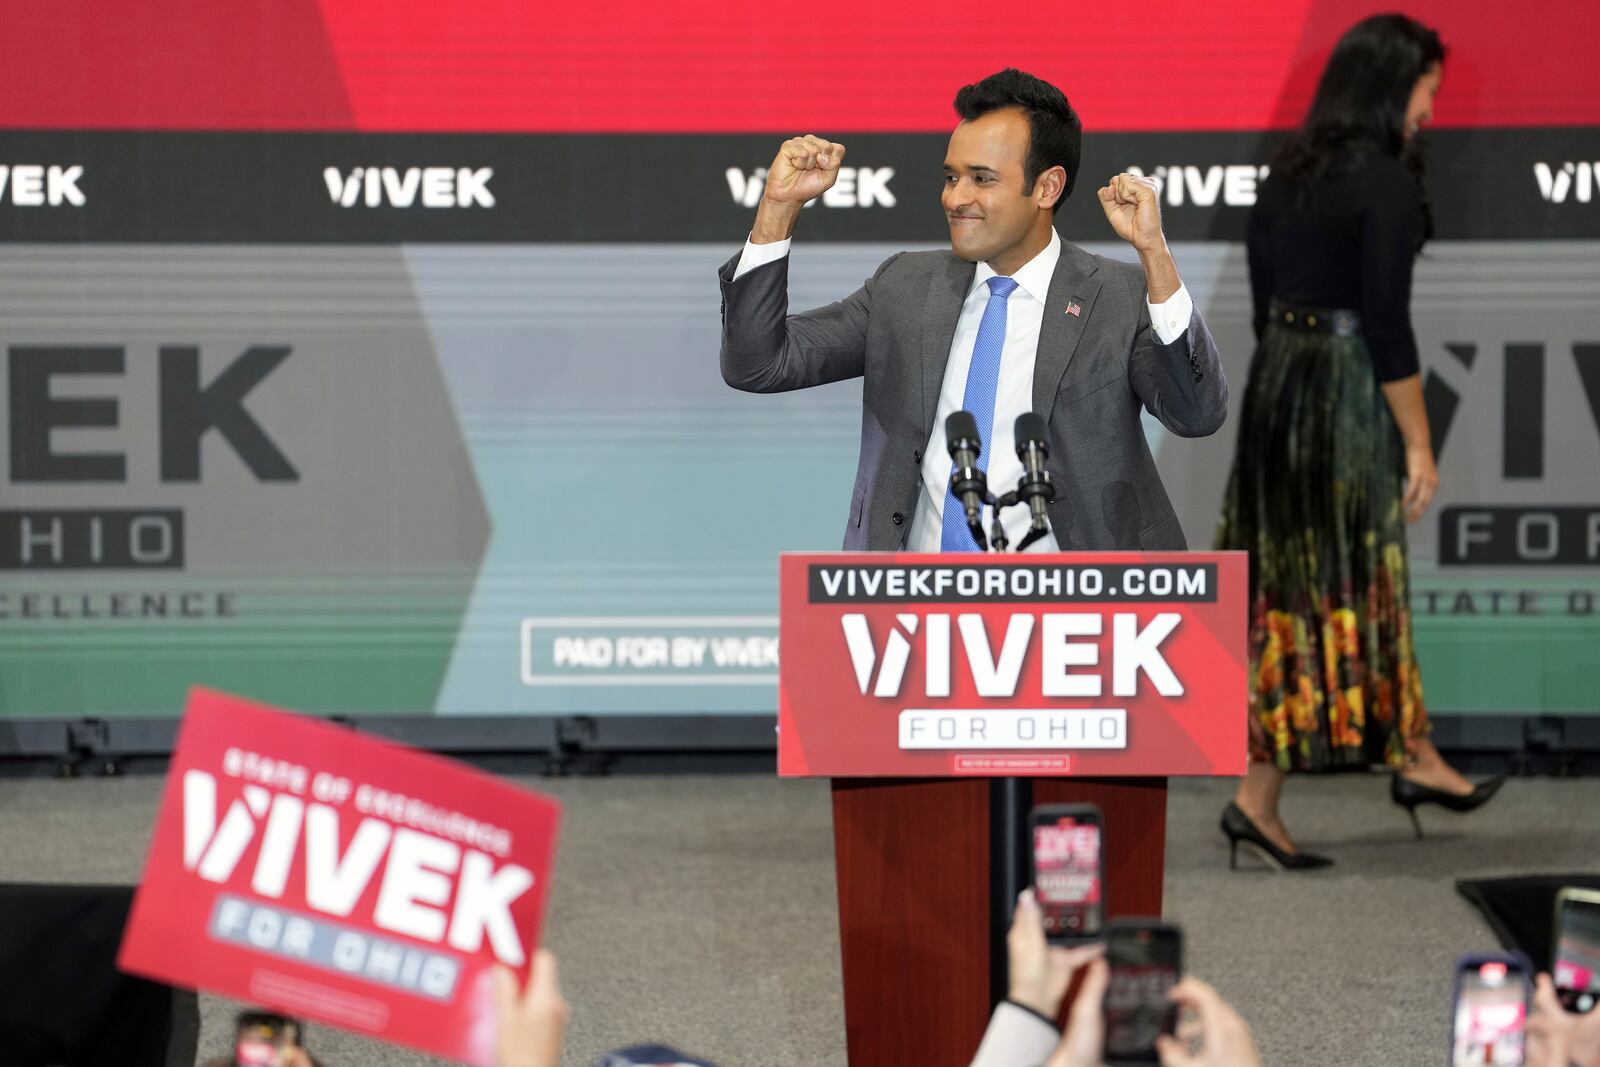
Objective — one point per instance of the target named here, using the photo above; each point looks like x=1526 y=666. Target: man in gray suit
x=1010 y=320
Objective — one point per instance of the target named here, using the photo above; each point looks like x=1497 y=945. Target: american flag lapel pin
x=1074 y=308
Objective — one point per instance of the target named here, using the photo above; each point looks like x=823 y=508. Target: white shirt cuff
x=1170 y=319
x=760 y=255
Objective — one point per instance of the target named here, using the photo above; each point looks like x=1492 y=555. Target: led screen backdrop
x=362 y=357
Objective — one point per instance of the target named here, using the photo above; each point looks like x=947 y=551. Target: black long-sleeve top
x=1349 y=245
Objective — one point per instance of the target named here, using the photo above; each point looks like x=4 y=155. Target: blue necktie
x=983 y=377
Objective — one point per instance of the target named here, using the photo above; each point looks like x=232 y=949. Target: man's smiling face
x=990 y=211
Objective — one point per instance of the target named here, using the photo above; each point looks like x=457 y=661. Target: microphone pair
x=971 y=486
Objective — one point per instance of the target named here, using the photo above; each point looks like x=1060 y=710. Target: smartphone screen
x=1491 y=1010
x=1146 y=961
x=1577 y=966
x=1066 y=872
x=260 y=1038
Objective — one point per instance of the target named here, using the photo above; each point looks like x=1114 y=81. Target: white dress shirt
x=1013 y=394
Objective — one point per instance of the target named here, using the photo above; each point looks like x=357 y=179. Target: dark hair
x=1361 y=99
x=1055 y=136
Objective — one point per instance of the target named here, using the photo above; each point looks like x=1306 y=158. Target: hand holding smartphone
x=1576 y=968
x=1146 y=961
x=1490 y=1010
x=1144 y=956
x=1067 y=860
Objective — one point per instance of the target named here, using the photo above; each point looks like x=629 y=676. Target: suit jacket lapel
x=1072 y=286
x=947 y=291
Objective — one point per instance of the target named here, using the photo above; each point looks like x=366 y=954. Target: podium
x=945 y=695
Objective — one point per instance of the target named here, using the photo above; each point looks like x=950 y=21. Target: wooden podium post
x=915 y=906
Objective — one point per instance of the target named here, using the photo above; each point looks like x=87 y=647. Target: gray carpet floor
x=700 y=911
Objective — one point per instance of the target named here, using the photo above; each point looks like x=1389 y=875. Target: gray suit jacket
x=1093 y=373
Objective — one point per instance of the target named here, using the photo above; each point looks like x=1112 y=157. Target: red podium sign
x=1115 y=663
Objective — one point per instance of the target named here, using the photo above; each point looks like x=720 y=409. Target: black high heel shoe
x=1409 y=795
x=1237 y=827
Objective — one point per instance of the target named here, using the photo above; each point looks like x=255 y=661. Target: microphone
x=1034 y=486
x=967 y=481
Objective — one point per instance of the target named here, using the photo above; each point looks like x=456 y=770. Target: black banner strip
x=319 y=188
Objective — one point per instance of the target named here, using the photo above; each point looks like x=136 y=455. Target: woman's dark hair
x=1361 y=99
x=1055 y=136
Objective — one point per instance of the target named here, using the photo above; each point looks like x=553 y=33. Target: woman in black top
x=1334 y=451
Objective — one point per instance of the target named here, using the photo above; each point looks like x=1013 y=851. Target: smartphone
x=1577 y=941
x=1067 y=865
x=1146 y=961
x=260 y=1038
x=1490 y=1009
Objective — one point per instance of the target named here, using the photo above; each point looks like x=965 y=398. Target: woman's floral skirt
x=1315 y=497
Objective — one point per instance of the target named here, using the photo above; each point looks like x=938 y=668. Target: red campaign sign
x=1106 y=663
x=302 y=866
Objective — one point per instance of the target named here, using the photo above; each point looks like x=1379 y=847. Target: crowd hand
x=1083 y=1044
x=1133 y=207
x=1558 y=1037
x=1422 y=480
x=1584 y=1047
x=530 y=1025
x=1221 y=1038
x=1549 y=1031
x=804 y=169
x=1040 y=972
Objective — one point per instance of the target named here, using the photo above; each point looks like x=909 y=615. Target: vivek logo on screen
x=1234 y=184
x=1546 y=394
x=856 y=187
x=37 y=185
x=434 y=888
x=1560 y=181
x=428 y=187
x=188 y=409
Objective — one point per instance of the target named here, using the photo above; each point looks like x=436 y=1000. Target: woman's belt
x=1338 y=322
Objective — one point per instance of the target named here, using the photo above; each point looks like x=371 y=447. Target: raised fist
x=1133 y=207
x=804 y=169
